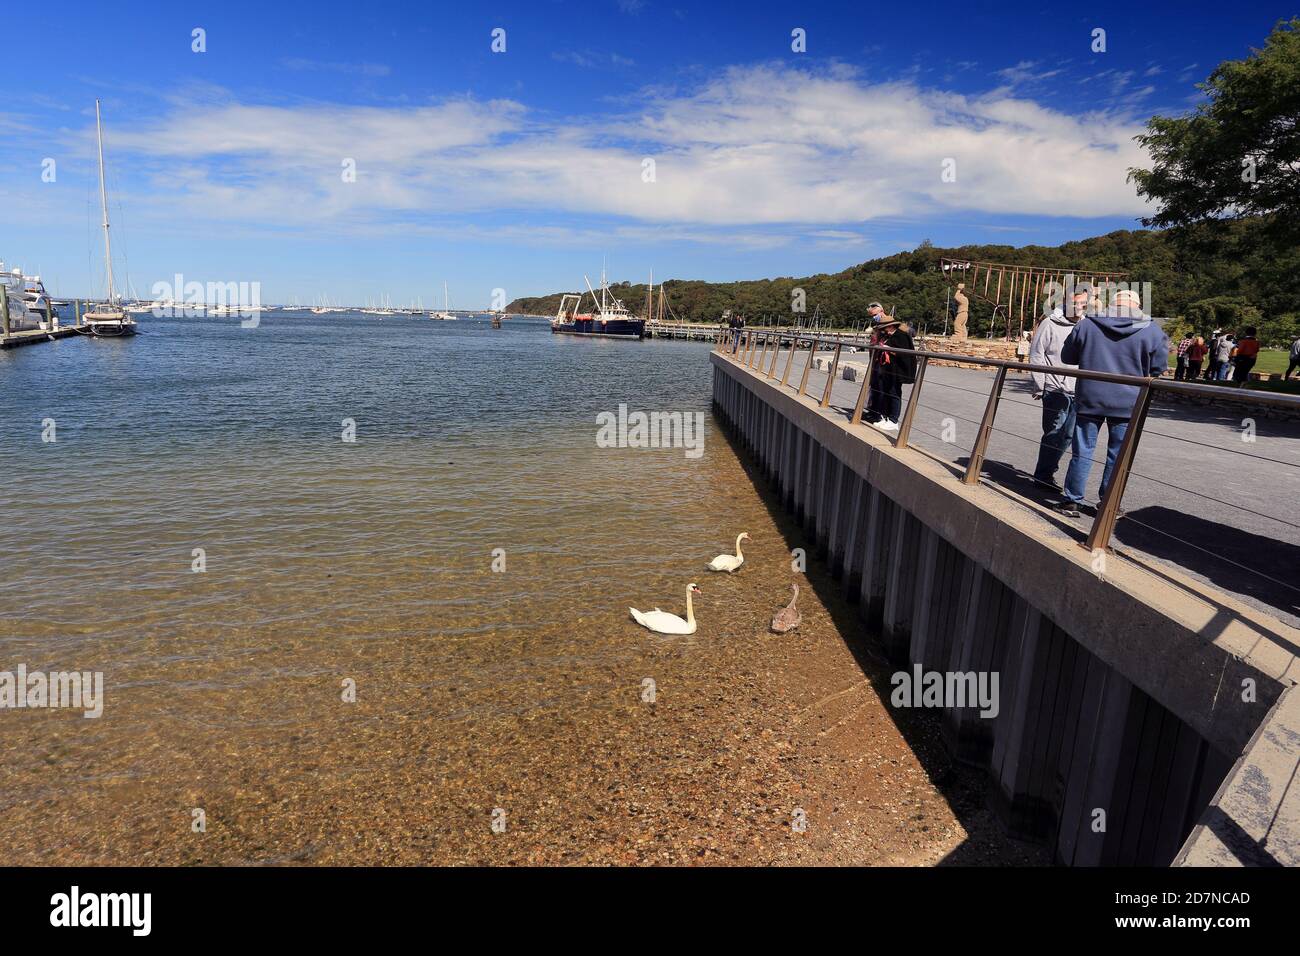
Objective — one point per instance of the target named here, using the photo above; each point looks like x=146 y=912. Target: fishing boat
x=610 y=320
x=107 y=318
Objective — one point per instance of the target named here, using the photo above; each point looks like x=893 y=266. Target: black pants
x=886 y=398
x=1180 y=370
x=1241 y=371
x=1291 y=366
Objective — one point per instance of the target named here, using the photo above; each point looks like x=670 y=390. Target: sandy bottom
x=521 y=692
x=746 y=728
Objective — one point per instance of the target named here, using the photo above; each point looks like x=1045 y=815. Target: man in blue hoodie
x=1121 y=340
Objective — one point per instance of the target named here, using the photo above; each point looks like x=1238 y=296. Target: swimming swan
x=661 y=622
x=730 y=562
x=788 y=618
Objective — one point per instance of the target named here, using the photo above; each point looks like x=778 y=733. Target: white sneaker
x=885 y=425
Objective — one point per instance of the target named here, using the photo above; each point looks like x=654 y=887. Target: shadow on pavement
x=1262 y=569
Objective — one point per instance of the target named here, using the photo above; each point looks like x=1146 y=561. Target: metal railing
x=741 y=346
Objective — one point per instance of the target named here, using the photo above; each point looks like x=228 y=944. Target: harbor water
x=358 y=588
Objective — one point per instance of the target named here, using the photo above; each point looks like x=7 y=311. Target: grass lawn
x=1273 y=361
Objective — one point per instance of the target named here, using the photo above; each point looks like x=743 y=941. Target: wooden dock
x=11 y=338
x=693 y=331
x=31 y=336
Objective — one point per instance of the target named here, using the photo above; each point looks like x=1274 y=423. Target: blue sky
x=521 y=170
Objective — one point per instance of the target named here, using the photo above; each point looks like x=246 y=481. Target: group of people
x=1119 y=339
x=890 y=371
x=1230 y=357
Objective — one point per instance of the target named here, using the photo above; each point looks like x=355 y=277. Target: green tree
x=1238 y=153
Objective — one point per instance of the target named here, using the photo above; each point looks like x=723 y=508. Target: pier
x=11 y=337
x=1148 y=712
x=11 y=340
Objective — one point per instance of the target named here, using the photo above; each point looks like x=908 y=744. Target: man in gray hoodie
x=1124 y=341
x=1056 y=392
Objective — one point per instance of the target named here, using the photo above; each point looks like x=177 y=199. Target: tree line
x=1239 y=278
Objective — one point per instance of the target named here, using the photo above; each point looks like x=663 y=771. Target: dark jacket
x=1125 y=344
x=901 y=367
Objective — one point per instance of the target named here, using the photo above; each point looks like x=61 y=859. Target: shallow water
x=201 y=434
x=369 y=565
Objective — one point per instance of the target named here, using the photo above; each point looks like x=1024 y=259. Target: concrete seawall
x=1126 y=696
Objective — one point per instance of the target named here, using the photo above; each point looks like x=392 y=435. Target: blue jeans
x=1058 y=431
x=1086 y=428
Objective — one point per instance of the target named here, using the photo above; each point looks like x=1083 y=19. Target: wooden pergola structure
x=1017 y=291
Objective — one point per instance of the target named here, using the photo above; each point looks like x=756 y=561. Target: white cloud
x=763 y=145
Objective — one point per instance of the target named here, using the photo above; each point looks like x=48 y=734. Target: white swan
x=730 y=562
x=662 y=622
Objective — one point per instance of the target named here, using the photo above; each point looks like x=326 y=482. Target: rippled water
x=369 y=563
x=201 y=434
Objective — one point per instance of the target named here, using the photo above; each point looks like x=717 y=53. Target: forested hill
x=1242 y=281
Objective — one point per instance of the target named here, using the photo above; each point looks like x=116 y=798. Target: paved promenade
x=1223 y=510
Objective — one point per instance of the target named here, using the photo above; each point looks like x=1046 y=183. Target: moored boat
x=108 y=318
x=610 y=318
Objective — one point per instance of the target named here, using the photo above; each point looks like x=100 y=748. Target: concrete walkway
x=1201 y=499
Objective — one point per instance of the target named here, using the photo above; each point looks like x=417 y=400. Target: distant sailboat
x=109 y=318
x=445 y=314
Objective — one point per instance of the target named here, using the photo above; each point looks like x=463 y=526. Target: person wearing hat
x=889 y=372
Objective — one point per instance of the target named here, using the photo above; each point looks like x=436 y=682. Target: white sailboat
x=108 y=318
x=445 y=314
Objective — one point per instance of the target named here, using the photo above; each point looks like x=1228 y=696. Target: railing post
x=830 y=378
x=812 y=350
x=913 y=399
x=789 y=361
x=972 y=475
x=1108 y=508
x=866 y=387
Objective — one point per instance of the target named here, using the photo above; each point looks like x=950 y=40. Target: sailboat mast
x=103 y=202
